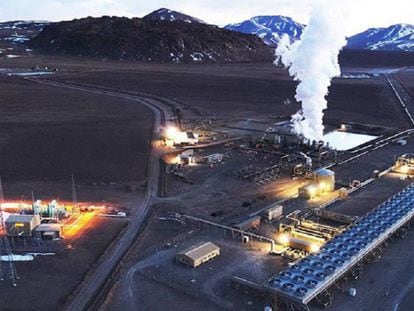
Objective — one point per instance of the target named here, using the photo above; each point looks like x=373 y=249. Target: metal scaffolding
x=231 y=229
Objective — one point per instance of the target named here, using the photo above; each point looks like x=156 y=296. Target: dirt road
x=90 y=287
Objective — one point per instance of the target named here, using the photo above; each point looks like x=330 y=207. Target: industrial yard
x=189 y=202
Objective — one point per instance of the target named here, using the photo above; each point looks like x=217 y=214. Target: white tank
x=325 y=179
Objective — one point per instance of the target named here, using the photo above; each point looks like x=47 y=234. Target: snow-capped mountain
x=269 y=28
x=171 y=16
x=20 y=31
x=399 y=37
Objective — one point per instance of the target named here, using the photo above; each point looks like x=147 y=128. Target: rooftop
x=199 y=250
x=20 y=218
x=324 y=172
x=248 y=220
x=48 y=227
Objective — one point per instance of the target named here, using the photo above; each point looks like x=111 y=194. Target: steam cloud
x=313 y=60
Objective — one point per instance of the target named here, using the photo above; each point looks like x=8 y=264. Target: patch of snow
x=17 y=38
x=15 y=257
x=197 y=57
x=30 y=74
x=12 y=56
x=355 y=76
x=41 y=254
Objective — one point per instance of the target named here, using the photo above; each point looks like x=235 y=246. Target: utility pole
x=1 y=206
x=74 y=196
x=33 y=198
x=7 y=270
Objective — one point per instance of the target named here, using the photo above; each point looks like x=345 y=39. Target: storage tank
x=325 y=179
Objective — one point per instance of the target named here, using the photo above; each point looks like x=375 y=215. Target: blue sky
x=361 y=14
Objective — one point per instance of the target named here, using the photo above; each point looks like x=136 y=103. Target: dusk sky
x=361 y=14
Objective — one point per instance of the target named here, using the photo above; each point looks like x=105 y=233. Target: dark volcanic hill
x=150 y=40
x=164 y=14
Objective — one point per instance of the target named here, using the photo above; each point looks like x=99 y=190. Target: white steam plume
x=313 y=60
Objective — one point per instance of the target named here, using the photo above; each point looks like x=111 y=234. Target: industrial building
x=253 y=222
x=283 y=134
x=21 y=225
x=313 y=275
x=214 y=158
x=405 y=164
x=198 y=254
x=174 y=136
x=187 y=157
x=48 y=231
x=275 y=211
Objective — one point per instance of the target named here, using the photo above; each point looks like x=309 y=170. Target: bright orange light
x=313 y=191
x=323 y=186
x=81 y=223
x=172 y=132
x=16 y=205
x=283 y=239
x=404 y=169
x=174 y=136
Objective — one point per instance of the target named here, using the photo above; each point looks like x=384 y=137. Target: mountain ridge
x=397 y=37
x=270 y=28
x=138 y=39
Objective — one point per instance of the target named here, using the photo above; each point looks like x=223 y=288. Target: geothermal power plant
x=165 y=163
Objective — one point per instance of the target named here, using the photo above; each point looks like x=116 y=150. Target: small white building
x=198 y=254
x=214 y=158
x=274 y=212
x=21 y=225
x=48 y=231
x=187 y=157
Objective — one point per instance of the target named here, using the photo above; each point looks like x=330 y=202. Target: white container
x=275 y=212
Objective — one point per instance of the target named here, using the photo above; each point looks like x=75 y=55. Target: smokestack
x=313 y=61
